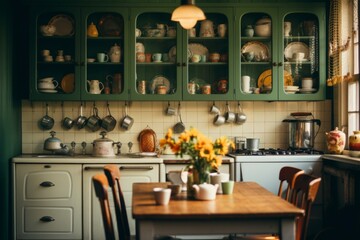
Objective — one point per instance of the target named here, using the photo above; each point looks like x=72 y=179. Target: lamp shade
x=187 y=14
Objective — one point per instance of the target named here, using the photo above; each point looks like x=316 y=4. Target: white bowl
x=263 y=30
x=354 y=153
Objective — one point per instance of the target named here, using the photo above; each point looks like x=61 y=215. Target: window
x=354 y=86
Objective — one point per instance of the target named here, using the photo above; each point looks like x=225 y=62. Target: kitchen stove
x=273 y=151
x=263 y=166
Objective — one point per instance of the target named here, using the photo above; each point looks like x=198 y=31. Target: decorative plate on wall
x=296 y=47
x=111 y=26
x=64 y=25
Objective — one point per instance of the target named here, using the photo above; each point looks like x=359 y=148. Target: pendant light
x=187 y=14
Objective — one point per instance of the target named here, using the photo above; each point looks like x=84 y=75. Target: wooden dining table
x=251 y=209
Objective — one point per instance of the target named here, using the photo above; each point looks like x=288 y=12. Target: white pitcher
x=95 y=86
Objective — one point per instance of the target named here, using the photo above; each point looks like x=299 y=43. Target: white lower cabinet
x=48 y=201
x=57 y=200
x=130 y=173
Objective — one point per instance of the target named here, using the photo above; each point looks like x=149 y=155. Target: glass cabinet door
x=208 y=75
x=54 y=74
x=104 y=55
x=256 y=58
x=156 y=41
x=301 y=57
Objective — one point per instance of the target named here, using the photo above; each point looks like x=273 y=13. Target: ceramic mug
x=206 y=89
x=214 y=57
x=222 y=86
x=193 y=87
x=102 y=57
x=195 y=58
x=245 y=84
x=156 y=57
x=140 y=57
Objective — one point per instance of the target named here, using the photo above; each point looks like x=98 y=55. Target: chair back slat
x=101 y=187
x=288 y=174
x=305 y=190
x=112 y=173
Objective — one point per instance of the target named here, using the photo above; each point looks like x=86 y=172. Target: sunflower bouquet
x=205 y=155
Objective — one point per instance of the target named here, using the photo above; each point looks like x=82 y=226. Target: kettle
x=205 y=191
x=335 y=141
x=115 y=53
x=54 y=145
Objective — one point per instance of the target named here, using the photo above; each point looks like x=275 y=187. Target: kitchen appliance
x=263 y=166
x=302 y=130
x=103 y=147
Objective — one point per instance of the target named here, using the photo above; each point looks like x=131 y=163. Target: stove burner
x=273 y=151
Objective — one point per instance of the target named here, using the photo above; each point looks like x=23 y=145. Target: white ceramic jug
x=95 y=86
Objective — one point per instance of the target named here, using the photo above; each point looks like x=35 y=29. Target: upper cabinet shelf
x=137 y=53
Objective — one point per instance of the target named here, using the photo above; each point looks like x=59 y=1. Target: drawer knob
x=47 y=184
x=47 y=219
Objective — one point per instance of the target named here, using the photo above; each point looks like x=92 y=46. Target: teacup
x=156 y=57
x=195 y=58
x=162 y=195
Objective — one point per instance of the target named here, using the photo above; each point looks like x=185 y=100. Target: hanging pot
x=302 y=130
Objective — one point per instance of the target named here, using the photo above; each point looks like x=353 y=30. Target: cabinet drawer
x=43 y=185
x=37 y=219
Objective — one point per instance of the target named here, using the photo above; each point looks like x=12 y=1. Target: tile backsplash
x=264 y=121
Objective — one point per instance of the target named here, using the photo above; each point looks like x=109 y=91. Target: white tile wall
x=264 y=121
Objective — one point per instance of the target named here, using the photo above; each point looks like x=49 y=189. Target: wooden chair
x=112 y=173
x=101 y=186
x=295 y=188
x=305 y=190
x=288 y=174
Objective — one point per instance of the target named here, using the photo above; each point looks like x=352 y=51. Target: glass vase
x=196 y=177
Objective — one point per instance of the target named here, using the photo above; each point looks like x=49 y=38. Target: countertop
x=345 y=158
x=124 y=158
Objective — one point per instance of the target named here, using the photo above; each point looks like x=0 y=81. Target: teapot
x=95 y=86
x=335 y=141
x=207 y=29
x=115 y=53
x=205 y=191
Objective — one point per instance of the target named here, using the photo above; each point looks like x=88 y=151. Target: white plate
x=310 y=90
x=48 y=91
x=172 y=54
x=296 y=47
x=197 y=48
x=259 y=49
x=64 y=25
x=291 y=91
x=159 y=80
x=291 y=88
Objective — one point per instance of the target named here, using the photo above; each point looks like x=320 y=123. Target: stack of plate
x=291 y=89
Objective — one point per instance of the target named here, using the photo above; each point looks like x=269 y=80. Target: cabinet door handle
x=280 y=64
x=184 y=64
x=274 y=64
x=93 y=168
x=47 y=184
x=145 y=168
x=47 y=219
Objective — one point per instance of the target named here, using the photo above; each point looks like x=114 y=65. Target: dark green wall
x=10 y=115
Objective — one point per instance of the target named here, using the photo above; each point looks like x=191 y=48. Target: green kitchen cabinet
x=287 y=46
x=153 y=39
x=108 y=30
x=69 y=56
x=49 y=72
x=157 y=63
